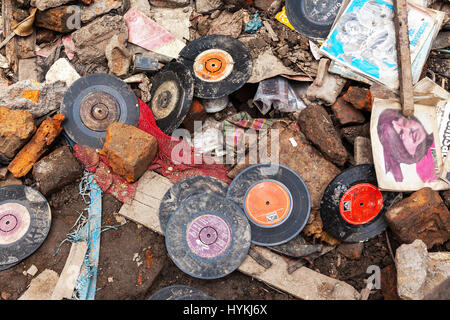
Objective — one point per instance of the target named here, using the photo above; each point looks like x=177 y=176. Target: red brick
x=129 y=150
x=346 y=113
x=360 y=98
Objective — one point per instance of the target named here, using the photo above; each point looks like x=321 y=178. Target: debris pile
x=303 y=145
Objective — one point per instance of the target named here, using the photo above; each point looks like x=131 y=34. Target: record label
x=361 y=203
x=268 y=203
x=208 y=236
x=14 y=222
x=213 y=65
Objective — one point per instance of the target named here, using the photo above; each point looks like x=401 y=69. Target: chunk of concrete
x=63 y=71
x=206 y=6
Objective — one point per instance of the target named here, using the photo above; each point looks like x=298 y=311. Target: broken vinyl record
x=220 y=65
x=179 y=292
x=25 y=220
x=186 y=189
x=92 y=103
x=208 y=237
x=312 y=18
x=275 y=199
x=172 y=92
x=352 y=207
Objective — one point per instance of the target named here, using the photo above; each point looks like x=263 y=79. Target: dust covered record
x=92 y=103
x=352 y=207
x=220 y=65
x=25 y=220
x=186 y=189
x=208 y=237
x=275 y=199
x=312 y=18
x=172 y=92
x=179 y=292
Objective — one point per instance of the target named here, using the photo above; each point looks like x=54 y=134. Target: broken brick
x=422 y=216
x=47 y=132
x=346 y=113
x=317 y=126
x=16 y=127
x=360 y=98
x=129 y=150
x=56 y=170
x=118 y=56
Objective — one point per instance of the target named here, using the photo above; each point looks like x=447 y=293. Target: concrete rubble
x=309 y=104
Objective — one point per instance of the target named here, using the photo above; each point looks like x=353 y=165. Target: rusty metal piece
x=404 y=57
x=98 y=110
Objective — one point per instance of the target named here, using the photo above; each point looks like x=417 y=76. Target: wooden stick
x=404 y=57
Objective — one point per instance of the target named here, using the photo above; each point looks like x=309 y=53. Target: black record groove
x=352 y=207
x=220 y=65
x=208 y=237
x=92 y=103
x=312 y=18
x=275 y=199
x=179 y=292
x=172 y=92
x=25 y=220
x=186 y=189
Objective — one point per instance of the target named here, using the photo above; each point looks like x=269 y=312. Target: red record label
x=361 y=204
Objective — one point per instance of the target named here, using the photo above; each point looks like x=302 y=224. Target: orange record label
x=268 y=203
x=361 y=204
x=213 y=65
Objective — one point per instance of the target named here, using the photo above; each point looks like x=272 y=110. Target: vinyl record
x=7 y=266
x=220 y=65
x=25 y=220
x=186 y=189
x=208 y=237
x=312 y=18
x=180 y=292
x=275 y=199
x=352 y=207
x=92 y=103
x=172 y=92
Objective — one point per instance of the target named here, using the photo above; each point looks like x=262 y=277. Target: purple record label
x=14 y=222
x=208 y=236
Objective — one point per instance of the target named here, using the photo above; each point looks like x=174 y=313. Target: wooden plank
x=303 y=283
x=404 y=57
x=69 y=275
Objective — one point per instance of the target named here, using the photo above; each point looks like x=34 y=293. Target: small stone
x=56 y=170
x=16 y=127
x=351 y=250
x=229 y=24
x=351 y=133
x=32 y=270
x=5 y=295
x=360 y=98
x=411 y=264
x=118 y=56
x=263 y=4
x=129 y=150
x=206 y=6
x=422 y=216
x=363 y=150
x=3 y=173
x=317 y=125
x=110 y=279
x=346 y=113
x=63 y=71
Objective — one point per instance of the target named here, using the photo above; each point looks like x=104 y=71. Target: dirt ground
x=134 y=262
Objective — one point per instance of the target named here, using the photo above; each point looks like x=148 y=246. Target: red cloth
x=111 y=183
x=163 y=161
